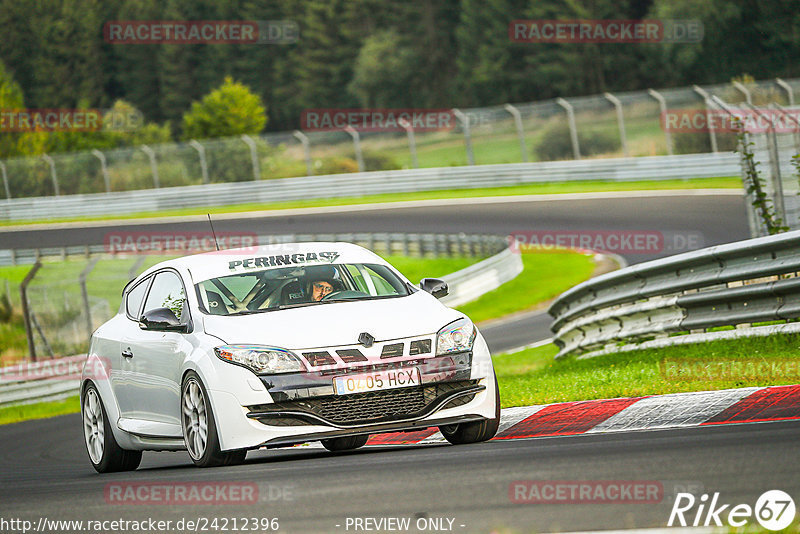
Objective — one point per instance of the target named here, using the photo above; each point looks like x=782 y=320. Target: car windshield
x=291 y=287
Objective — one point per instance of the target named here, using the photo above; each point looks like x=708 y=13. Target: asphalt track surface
x=715 y=216
x=46 y=473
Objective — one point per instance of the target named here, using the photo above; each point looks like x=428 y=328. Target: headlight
x=270 y=360
x=458 y=336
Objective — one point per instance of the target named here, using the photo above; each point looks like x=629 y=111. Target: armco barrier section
x=370 y=183
x=736 y=284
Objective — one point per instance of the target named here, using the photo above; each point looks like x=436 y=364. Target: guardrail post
x=745 y=91
x=5 y=181
x=356 y=146
x=788 y=88
x=153 y=165
x=201 y=153
x=26 y=312
x=662 y=105
x=85 y=294
x=253 y=156
x=103 y=168
x=412 y=143
x=303 y=138
x=620 y=122
x=520 y=131
x=464 y=119
x=711 y=132
x=573 y=127
x=53 y=175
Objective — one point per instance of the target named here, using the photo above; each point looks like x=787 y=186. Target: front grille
x=392 y=351
x=374 y=406
x=420 y=346
x=351 y=355
x=319 y=358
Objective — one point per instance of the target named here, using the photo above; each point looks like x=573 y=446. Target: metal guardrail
x=40 y=381
x=59 y=378
x=370 y=183
x=737 y=285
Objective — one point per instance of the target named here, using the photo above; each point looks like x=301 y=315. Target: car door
x=128 y=329
x=153 y=360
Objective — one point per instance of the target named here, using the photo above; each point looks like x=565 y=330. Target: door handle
x=127 y=353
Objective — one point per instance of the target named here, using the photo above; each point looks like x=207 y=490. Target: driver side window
x=166 y=292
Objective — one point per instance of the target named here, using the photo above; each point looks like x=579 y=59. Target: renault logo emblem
x=365 y=339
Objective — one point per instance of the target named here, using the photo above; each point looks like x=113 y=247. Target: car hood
x=333 y=324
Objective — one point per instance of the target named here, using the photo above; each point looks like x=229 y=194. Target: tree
x=382 y=72
x=231 y=109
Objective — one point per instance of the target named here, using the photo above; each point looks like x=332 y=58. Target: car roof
x=242 y=260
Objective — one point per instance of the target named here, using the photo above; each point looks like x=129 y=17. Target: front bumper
x=455 y=388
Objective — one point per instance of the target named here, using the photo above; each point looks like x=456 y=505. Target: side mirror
x=161 y=320
x=434 y=286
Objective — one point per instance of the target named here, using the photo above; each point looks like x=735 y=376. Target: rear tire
x=200 y=430
x=104 y=452
x=462 y=433
x=345 y=444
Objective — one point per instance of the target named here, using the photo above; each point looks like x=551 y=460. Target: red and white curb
x=676 y=410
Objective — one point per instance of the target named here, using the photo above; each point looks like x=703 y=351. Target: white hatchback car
x=224 y=352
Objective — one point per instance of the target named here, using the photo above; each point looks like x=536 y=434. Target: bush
x=700 y=143
x=379 y=161
x=556 y=143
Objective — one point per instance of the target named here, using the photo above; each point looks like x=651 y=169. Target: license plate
x=388 y=379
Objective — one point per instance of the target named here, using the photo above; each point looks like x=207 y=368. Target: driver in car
x=319 y=289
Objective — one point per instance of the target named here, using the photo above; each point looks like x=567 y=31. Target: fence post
x=135 y=267
x=253 y=156
x=103 y=168
x=791 y=117
x=85 y=294
x=53 y=175
x=573 y=128
x=711 y=132
x=356 y=146
x=662 y=105
x=745 y=91
x=5 y=181
x=26 y=312
x=620 y=122
x=788 y=88
x=520 y=131
x=464 y=119
x=153 y=165
x=412 y=143
x=201 y=153
x=774 y=162
x=303 y=138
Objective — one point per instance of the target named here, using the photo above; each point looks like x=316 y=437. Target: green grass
x=545 y=276
x=40 y=410
x=532 y=189
x=415 y=269
x=533 y=377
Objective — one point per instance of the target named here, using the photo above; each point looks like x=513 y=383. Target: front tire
x=345 y=444
x=200 y=430
x=104 y=452
x=476 y=431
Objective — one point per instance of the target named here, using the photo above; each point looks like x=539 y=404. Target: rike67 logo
x=774 y=510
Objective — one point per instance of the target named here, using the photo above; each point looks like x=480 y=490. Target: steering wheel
x=346 y=294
